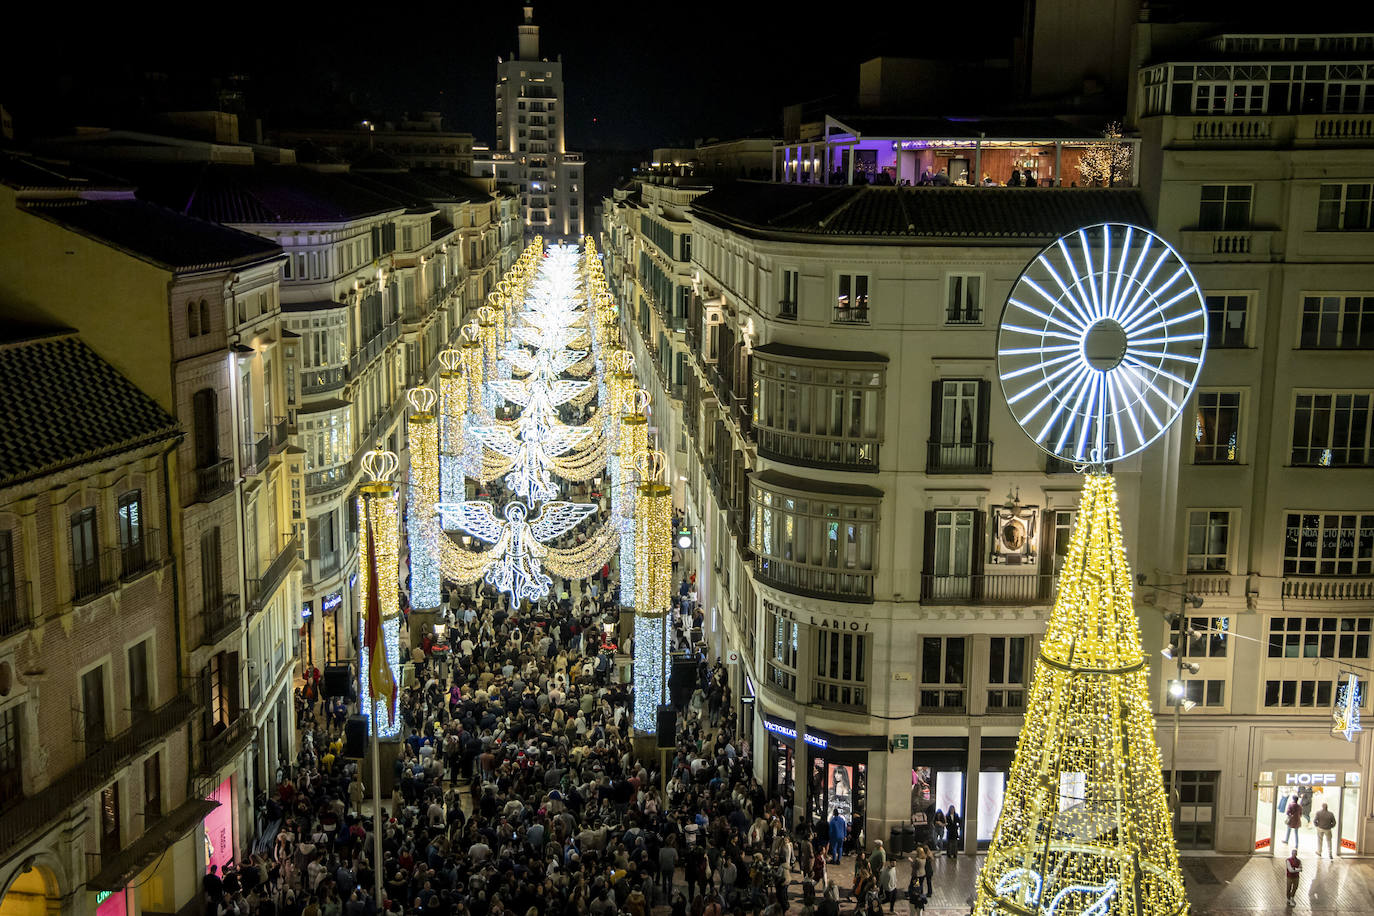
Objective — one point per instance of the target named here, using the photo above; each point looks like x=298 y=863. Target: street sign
x=901 y=742
x=732 y=658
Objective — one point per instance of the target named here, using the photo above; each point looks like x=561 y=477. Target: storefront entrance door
x=1287 y=802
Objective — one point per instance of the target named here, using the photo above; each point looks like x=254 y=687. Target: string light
x=379 y=499
x=1086 y=813
x=422 y=431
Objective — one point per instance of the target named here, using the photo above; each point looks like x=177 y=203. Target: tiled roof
x=259 y=194
x=403 y=191
x=900 y=213
x=156 y=234
x=65 y=406
x=31 y=173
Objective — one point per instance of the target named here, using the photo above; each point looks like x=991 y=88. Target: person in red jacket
x=1292 y=868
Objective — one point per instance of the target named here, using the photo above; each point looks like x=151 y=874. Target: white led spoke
x=1128 y=308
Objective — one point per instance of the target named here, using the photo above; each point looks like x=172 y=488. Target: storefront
x=837 y=781
x=330 y=606
x=747 y=702
x=112 y=903
x=1305 y=792
x=219 y=828
x=781 y=738
x=939 y=780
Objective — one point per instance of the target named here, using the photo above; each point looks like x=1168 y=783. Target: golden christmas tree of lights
x=1085 y=827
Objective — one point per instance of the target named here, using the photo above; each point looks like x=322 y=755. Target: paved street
x=1217 y=886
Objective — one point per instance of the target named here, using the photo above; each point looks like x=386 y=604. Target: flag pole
x=376 y=750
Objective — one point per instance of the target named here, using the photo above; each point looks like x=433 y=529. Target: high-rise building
x=531 y=114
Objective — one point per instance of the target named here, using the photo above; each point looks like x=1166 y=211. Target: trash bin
x=895 y=840
x=908 y=838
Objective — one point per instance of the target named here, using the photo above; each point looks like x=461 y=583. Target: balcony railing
x=260 y=590
x=787 y=310
x=326 y=479
x=371 y=348
x=987 y=588
x=219 y=747
x=815 y=582
x=842 y=695
x=315 y=381
x=817 y=451
x=857 y=314
x=43 y=809
x=95 y=577
x=15 y=612
x=221 y=616
x=142 y=557
x=255 y=454
x=963 y=316
x=280 y=431
x=1336 y=588
x=958 y=457
x=215 y=480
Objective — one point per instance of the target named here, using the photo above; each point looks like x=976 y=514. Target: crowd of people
x=516 y=790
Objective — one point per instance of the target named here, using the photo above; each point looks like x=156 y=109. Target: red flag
x=381 y=682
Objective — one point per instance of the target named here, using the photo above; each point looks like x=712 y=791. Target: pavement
x=1217 y=886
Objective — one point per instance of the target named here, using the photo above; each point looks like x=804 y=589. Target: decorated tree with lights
x=1106 y=162
x=1099 y=348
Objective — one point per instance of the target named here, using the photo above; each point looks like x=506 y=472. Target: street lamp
x=1177 y=691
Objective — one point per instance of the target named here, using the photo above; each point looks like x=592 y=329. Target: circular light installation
x=1101 y=342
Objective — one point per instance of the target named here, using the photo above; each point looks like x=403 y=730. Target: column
x=970 y=812
x=1058 y=160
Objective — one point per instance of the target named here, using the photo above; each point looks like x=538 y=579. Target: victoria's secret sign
x=845 y=624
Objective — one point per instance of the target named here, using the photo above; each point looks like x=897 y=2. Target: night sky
x=636 y=76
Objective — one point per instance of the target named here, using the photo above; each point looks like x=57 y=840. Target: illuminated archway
x=32 y=893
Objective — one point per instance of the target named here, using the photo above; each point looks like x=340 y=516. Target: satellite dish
x=1101 y=342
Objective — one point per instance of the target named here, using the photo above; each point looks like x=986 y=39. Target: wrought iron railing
x=15 y=611
x=215 y=479
x=987 y=588
x=260 y=590
x=220 y=616
x=958 y=457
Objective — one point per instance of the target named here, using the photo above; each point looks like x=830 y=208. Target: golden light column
x=378 y=501
x=422 y=431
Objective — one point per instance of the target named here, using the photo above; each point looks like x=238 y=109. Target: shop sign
x=330 y=602
x=901 y=742
x=732 y=658
x=1311 y=779
x=824 y=622
x=791 y=734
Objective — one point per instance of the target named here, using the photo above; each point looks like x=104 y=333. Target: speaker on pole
x=667 y=726
x=337 y=680
x=355 y=736
x=682 y=680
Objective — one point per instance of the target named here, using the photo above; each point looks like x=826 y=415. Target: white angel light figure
x=531 y=448
x=518 y=544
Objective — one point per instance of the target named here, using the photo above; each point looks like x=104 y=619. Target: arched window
x=204 y=317
x=192 y=320
x=204 y=409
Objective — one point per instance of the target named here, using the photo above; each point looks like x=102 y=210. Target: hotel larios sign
x=824 y=622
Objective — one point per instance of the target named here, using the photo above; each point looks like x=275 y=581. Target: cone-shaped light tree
x=1085 y=827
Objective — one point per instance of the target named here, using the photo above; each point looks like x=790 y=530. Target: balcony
x=318 y=381
x=988 y=588
x=214 y=480
x=260 y=590
x=372 y=348
x=218 y=748
x=117 y=871
x=845 y=696
x=1336 y=588
x=97 y=576
x=852 y=315
x=220 y=617
x=143 y=557
x=958 y=457
x=817 y=451
x=1227 y=244
x=42 y=810
x=854 y=586
x=255 y=454
x=280 y=432
x=15 y=611
x=957 y=316
x=326 y=479
x=787 y=311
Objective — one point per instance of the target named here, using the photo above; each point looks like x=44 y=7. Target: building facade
x=98 y=710
x=1257 y=157
x=531 y=116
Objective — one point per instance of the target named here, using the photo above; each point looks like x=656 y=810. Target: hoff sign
x=1310 y=779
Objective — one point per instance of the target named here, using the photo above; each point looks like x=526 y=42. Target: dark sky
x=635 y=76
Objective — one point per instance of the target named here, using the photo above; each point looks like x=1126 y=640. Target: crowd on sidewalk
x=517 y=791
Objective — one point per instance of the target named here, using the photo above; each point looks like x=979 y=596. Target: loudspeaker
x=355 y=736
x=682 y=681
x=337 y=680
x=667 y=726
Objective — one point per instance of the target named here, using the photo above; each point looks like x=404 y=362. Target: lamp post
x=1174 y=652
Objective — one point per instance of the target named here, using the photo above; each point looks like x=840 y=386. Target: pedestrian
x=887 y=884
x=838 y=828
x=1292 y=867
x=952 y=825
x=1325 y=822
x=1293 y=821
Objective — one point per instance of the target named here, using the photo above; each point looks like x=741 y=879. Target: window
x=1225 y=206
x=1320 y=637
x=11 y=755
x=1207 y=637
x=1226 y=320
x=818 y=416
x=140 y=691
x=1208 y=540
x=211 y=587
x=152 y=787
x=131 y=544
x=1063 y=530
x=1228 y=98
x=851 y=299
x=204 y=317
x=205 y=414
x=1328 y=544
x=1344 y=207
x=813 y=544
x=686 y=241
x=840 y=668
x=1195 y=826
x=942 y=673
x=963 y=304
x=1279 y=693
x=86 y=578
x=1337 y=322
x=1006 y=672
x=1201 y=692
x=10 y=610
x=192 y=320
x=787 y=305
x=1216 y=430
x=93 y=708
x=953 y=542
x=959 y=426
x=1331 y=430
x=782 y=652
